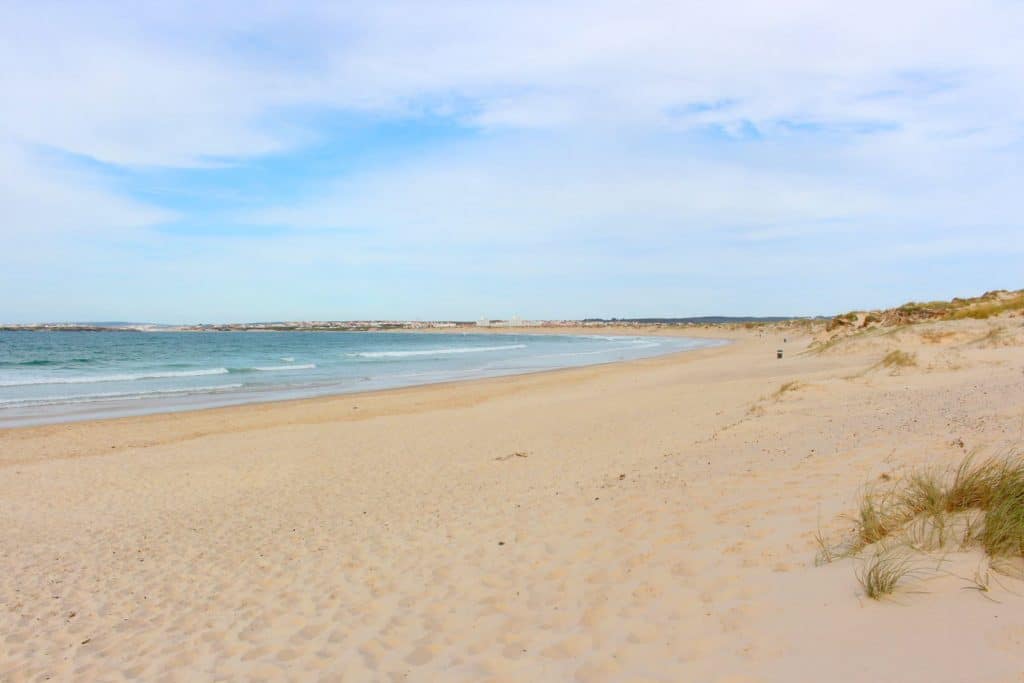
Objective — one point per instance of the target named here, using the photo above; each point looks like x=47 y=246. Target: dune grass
x=980 y=504
x=826 y=551
x=995 y=337
x=898 y=359
x=861 y=334
x=936 y=336
x=825 y=346
x=988 y=305
x=786 y=388
x=994 y=486
x=1003 y=535
x=884 y=570
x=986 y=310
x=878 y=516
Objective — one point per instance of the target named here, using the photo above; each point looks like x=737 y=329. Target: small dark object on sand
x=517 y=454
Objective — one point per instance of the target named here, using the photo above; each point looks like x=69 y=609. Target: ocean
x=59 y=376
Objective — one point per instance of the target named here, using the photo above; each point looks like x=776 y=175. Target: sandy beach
x=653 y=520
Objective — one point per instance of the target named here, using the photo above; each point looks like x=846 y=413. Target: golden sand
x=644 y=521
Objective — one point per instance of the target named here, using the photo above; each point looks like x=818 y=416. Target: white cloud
x=192 y=81
x=504 y=192
x=899 y=122
x=45 y=200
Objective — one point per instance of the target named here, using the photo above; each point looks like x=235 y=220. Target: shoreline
x=141 y=412
x=331 y=407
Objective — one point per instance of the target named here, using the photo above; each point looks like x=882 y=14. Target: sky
x=189 y=162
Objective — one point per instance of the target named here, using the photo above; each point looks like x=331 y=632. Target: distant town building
x=514 y=321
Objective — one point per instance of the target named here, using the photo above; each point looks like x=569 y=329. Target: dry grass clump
x=1003 y=534
x=856 y=323
x=1006 y=304
x=982 y=502
x=898 y=359
x=936 y=336
x=823 y=346
x=878 y=516
x=843 y=320
x=995 y=337
x=817 y=347
x=976 y=486
x=758 y=410
x=870 y=319
x=994 y=487
x=925 y=494
x=786 y=388
x=883 y=571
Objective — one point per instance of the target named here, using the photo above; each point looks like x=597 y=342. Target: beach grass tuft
x=878 y=515
x=898 y=359
x=975 y=504
x=827 y=553
x=786 y=388
x=884 y=570
x=1003 y=535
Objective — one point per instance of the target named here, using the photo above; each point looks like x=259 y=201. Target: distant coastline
x=389 y=325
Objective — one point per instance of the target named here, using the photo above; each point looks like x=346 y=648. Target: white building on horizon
x=514 y=321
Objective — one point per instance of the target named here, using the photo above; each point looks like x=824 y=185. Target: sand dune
x=644 y=521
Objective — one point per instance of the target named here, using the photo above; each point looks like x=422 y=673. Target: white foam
x=114 y=378
x=278 y=368
x=434 y=352
x=110 y=396
x=619 y=339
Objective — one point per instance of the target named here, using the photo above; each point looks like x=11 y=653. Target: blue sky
x=187 y=162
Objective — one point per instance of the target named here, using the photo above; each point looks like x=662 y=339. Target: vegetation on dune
x=936 y=336
x=823 y=346
x=975 y=504
x=876 y=518
x=898 y=359
x=995 y=337
x=870 y=319
x=842 y=320
x=989 y=304
x=1013 y=302
x=786 y=388
x=882 y=572
x=1003 y=534
x=979 y=307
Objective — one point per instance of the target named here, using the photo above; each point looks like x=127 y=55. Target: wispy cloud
x=594 y=139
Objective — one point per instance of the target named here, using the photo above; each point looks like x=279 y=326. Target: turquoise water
x=61 y=376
